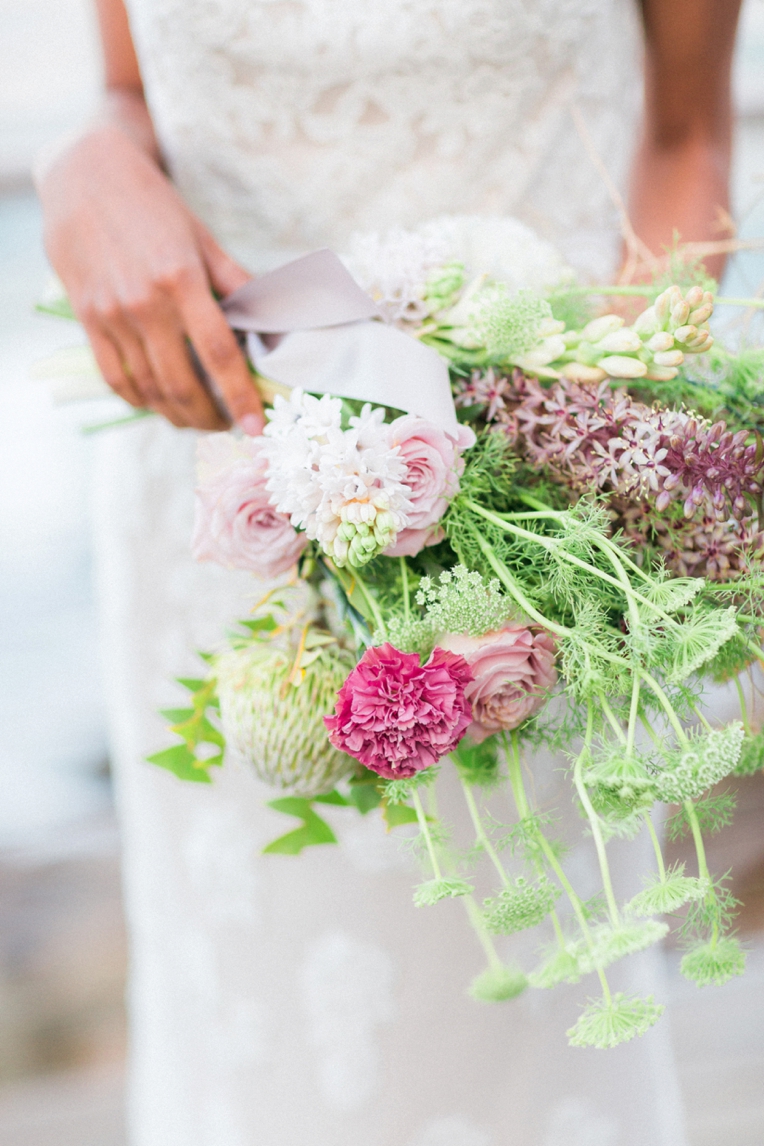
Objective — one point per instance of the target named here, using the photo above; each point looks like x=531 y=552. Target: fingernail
x=251 y=424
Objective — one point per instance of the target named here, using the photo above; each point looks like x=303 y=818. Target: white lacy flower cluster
x=345 y=488
x=413 y=275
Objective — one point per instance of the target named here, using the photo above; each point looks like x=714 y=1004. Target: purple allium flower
x=397 y=716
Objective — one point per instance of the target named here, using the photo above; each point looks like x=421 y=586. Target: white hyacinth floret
x=344 y=487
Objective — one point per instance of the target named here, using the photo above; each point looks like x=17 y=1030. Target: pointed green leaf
x=192 y=684
x=332 y=798
x=365 y=795
x=176 y=715
x=313 y=831
x=261 y=624
x=397 y=814
x=182 y=763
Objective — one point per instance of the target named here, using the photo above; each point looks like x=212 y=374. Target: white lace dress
x=282 y=1001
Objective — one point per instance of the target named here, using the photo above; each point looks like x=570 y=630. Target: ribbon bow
x=310 y=325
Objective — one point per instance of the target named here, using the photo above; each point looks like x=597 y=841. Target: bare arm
x=680 y=179
x=139 y=267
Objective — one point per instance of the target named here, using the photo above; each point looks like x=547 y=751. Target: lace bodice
x=289 y=123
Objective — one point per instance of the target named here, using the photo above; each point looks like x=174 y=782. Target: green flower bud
x=272 y=717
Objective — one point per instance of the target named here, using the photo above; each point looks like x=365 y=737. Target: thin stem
x=656 y=846
x=594 y=820
x=612 y=718
x=424 y=828
x=480 y=833
x=504 y=576
x=633 y=712
x=524 y=811
x=743 y=706
x=476 y=919
x=372 y=603
x=700 y=852
x=405 y=584
x=666 y=705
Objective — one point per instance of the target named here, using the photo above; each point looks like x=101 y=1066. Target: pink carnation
x=235 y=524
x=397 y=716
x=433 y=467
x=512 y=670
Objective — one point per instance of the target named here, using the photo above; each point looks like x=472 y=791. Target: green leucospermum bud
x=272 y=714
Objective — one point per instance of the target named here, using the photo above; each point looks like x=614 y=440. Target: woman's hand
x=140 y=271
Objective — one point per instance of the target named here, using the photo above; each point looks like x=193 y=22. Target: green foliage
x=698 y=640
x=497 y=984
x=519 y=906
x=714 y=963
x=197 y=732
x=713 y=814
x=395 y=815
x=606 y=1023
x=571 y=307
x=313 y=830
x=712 y=915
x=436 y=889
x=479 y=764
x=463 y=602
x=364 y=791
x=661 y=897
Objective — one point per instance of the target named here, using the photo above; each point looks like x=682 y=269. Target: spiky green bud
x=711 y=964
x=272 y=716
x=606 y=1023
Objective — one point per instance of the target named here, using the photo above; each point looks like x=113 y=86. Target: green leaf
x=60 y=307
x=364 y=794
x=332 y=798
x=314 y=830
x=177 y=715
x=193 y=685
x=397 y=814
x=261 y=624
x=182 y=763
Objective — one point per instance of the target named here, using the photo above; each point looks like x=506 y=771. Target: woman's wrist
x=123 y=111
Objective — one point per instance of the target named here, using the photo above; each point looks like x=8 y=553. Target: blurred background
x=62 y=943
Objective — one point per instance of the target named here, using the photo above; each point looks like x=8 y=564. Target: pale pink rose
x=235 y=524
x=433 y=467
x=512 y=669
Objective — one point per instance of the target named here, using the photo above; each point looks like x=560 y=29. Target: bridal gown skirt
x=305 y=1001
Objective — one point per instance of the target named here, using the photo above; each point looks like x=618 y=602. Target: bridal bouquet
x=556 y=551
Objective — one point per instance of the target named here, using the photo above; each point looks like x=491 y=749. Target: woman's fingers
x=111 y=365
x=219 y=354
x=175 y=376
x=225 y=274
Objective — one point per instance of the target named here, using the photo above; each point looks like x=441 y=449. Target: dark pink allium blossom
x=397 y=716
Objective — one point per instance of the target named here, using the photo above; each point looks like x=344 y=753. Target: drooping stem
x=594 y=820
x=633 y=712
x=700 y=852
x=475 y=916
x=743 y=706
x=525 y=813
x=424 y=828
x=405 y=585
x=481 y=834
x=656 y=846
x=666 y=705
x=611 y=718
x=515 y=591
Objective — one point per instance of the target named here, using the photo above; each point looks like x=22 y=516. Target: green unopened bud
x=694 y=296
x=346 y=531
x=685 y=333
x=679 y=314
x=702 y=314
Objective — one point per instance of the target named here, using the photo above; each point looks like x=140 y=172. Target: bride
x=283 y=1002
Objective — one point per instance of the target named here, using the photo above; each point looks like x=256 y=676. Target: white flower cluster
x=345 y=488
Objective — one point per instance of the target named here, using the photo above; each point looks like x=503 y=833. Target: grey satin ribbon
x=309 y=324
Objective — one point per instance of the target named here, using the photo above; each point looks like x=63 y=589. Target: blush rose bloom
x=433 y=467
x=397 y=716
x=234 y=523
x=512 y=669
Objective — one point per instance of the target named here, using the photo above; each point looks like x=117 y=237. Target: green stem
x=743 y=706
x=372 y=603
x=508 y=581
x=424 y=828
x=633 y=713
x=405 y=584
x=524 y=811
x=656 y=847
x=649 y=291
x=666 y=705
x=481 y=834
x=594 y=820
x=612 y=718
x=476 y=919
